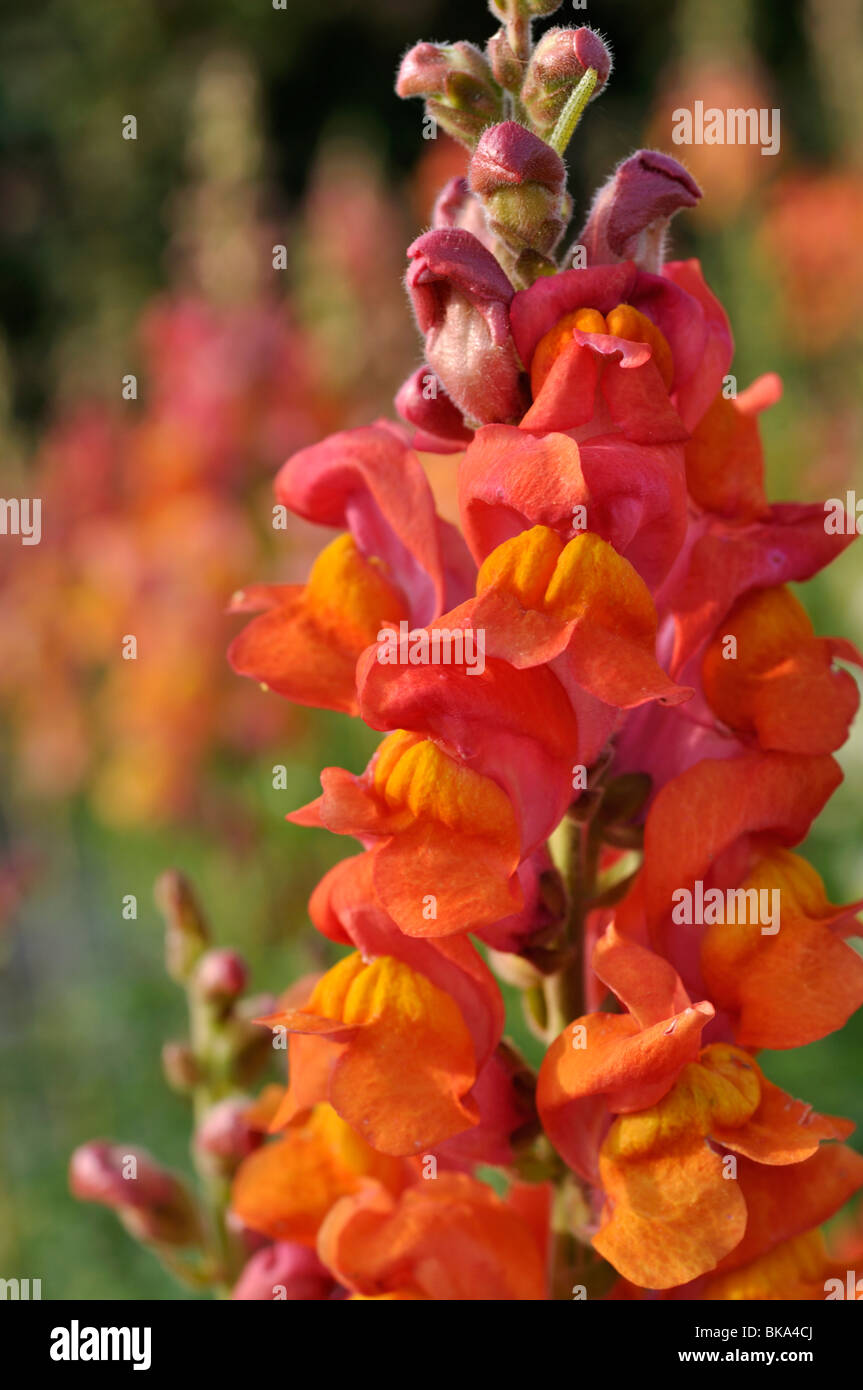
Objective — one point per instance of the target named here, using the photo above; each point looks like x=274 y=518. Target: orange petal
x=796 y=1269
x=725 y=458
x=780 y=687
x=453 y=867
x=401 y=1073
x=550 y=346
x=614 y=1065
x=447 y=1239
x=792 y=987
x=539 y=598
x=286 y=1188
x=670 y=1214
x=709 y=807
x=645 y=983
x=306 y=645
x=782 y=1130
x=784 y=1202
x=627 y=322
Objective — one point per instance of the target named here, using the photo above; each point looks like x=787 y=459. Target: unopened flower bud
x=220 y=976
x=505 y=66
x=457 y=83
x=180 y=1069
x=287 y=1271
x=225 y=1137
x=559 y=61
x=251 y=1045
x=461 y=299
x=521 y=181
x=186 y=932
x=630 y=214
x=152 y=1203
x=455 y=206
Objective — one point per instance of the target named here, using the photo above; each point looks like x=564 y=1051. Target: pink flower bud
x=225 y=1137
x=284 y=1271
x=220 y=975
x=186 y=933
x=456 y=206
x=179 y=1066
x=521 y=181
x=559 y=61
x=153 y=1204
x=422 y=401
x=630 y=214
x=509 y=155
x=461 y=299
x=457 y=83
x=506 y=68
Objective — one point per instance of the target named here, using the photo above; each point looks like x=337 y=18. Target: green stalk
x=575 y=848
x=209 y=1051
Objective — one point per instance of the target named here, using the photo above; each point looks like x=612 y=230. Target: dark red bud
x=225 y=1137
x=220 y=975
x=630 y=214
x=153 y=1204
x=284 y=1271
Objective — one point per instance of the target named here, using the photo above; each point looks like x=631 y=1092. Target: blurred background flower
x=261 y=129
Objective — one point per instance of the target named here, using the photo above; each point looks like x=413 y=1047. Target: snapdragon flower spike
x=611 y=495
x=398 y=560
x=460 y=297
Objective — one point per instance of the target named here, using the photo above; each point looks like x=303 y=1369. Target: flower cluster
x=602 y=811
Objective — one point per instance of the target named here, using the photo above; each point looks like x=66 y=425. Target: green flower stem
x=575 y=848
x=213 y=1057
x=572 y=112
